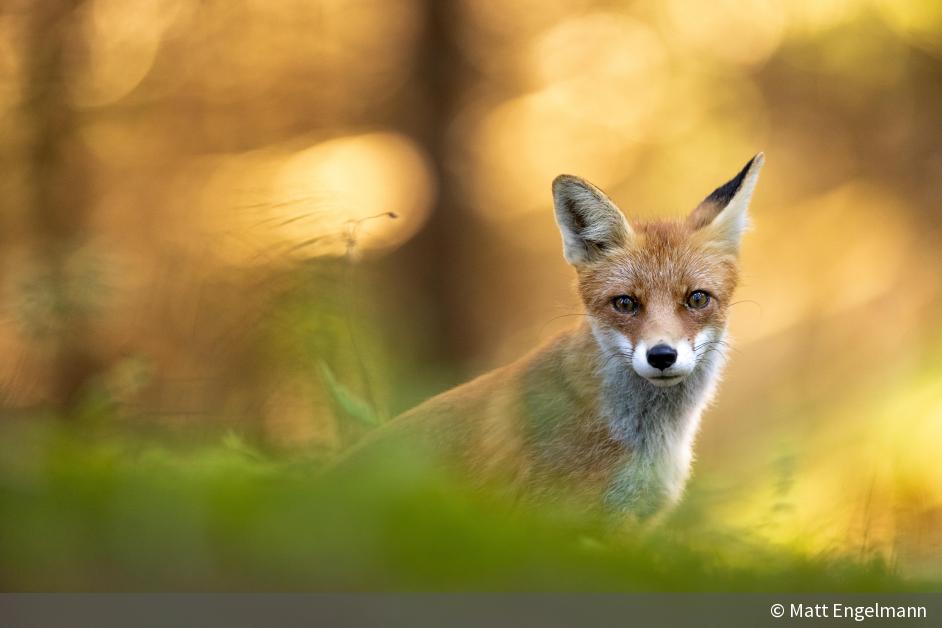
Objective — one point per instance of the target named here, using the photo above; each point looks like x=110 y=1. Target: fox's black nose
x=661 y=356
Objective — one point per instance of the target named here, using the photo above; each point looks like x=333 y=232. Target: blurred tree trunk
x=58 y=182
x=436 y=259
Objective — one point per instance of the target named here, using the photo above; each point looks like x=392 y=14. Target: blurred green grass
x=86 y=510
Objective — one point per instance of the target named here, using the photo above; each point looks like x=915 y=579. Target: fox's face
x=657 y=292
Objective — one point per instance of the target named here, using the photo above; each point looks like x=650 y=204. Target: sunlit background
x=268 y=216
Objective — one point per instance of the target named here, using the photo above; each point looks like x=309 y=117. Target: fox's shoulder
x=493 y=420
x=508 y=420
x=562 y=364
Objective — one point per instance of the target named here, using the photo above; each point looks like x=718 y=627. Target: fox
x=607 y=412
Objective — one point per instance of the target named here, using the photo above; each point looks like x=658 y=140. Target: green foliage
x=97 y=512
x=349 y=403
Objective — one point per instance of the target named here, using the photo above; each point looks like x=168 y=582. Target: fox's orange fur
x=591 y=414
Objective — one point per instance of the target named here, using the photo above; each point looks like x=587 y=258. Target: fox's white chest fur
x=659 y=425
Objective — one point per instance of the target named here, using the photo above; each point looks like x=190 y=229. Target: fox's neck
x=657 y=425
x=640 y=413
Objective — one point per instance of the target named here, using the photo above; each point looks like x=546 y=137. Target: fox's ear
x=723 y=216
x=591 y=224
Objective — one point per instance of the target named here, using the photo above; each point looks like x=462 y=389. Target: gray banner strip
x=543 y=610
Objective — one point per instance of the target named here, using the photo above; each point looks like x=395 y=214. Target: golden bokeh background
x=209 y=209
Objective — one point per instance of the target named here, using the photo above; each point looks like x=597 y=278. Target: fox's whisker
x=618 y=354
x=750 y=301
x=556 y=318
x=709 y=343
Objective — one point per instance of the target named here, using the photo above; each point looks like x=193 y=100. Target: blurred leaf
x=235 y=443
x=348 y=402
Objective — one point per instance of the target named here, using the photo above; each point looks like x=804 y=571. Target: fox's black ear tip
x=751 y=166
x=722 y=195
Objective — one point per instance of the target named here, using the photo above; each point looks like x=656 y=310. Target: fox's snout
x=664 y=362
x=662 y=356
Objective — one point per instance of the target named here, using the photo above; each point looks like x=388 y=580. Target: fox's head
x=656 y=292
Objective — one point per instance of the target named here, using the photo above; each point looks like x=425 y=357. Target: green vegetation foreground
x=81 y=512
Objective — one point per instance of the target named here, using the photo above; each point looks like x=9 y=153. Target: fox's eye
x=698 y=300
x=625 y=304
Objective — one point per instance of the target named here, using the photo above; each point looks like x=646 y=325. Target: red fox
x=608 y=411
